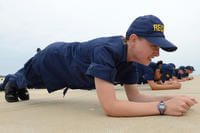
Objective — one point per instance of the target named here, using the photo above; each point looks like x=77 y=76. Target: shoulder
x=112 y=46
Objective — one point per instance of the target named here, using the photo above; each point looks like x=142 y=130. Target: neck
x=130 y=52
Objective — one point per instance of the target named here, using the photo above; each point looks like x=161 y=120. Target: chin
x=146 y=63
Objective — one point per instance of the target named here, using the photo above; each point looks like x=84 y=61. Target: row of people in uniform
x=183 y=73
x=162 y=76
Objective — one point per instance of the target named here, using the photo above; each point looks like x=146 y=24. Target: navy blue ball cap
x=182 y=68
x=152 y=29
x=153 y=65
x=173 y=65
x=167 y=68
x=190 y=68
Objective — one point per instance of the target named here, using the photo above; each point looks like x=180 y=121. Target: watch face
x=162 y=106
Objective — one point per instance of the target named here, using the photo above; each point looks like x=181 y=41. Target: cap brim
x=162 y=43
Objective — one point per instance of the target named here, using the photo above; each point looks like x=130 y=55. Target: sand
x=80 y=112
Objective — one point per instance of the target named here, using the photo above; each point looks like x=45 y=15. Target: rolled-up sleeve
x=102 y=72
x=103 y=65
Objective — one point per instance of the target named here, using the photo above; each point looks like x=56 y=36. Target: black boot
x=23 y=94
x=11 y=92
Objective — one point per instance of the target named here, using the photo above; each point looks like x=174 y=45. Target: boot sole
x=23 y=95
x=11 y=99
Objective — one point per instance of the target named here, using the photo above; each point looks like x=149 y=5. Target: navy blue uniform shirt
x=167 y=72
x=177 y=75
x=185 y=75
x=74 y=65
x=145 y=73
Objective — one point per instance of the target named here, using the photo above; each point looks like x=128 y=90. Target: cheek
x=148 y=50
x=145 y=53
x=142 y=55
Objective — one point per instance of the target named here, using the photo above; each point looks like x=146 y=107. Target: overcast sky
x=28 y=24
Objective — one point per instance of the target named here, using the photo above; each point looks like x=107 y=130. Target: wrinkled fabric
x=74 y=65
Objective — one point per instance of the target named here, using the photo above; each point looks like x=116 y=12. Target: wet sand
x=80 y=112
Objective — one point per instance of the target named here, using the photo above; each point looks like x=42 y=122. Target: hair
x=128 y=37
x=38 y=50
x=159 y=64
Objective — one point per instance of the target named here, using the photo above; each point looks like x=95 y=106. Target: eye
x=155 y=47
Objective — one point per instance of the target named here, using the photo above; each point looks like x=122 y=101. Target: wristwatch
x=161 y=107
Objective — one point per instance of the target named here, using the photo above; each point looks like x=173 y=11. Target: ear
x=133 y=37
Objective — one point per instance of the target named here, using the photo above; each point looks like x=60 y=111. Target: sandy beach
x=80 y=112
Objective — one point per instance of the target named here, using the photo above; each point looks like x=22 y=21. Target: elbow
x=110 y=114
x=153 y=87
x=113 y=114
x=111 y=111
x=178 y=86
